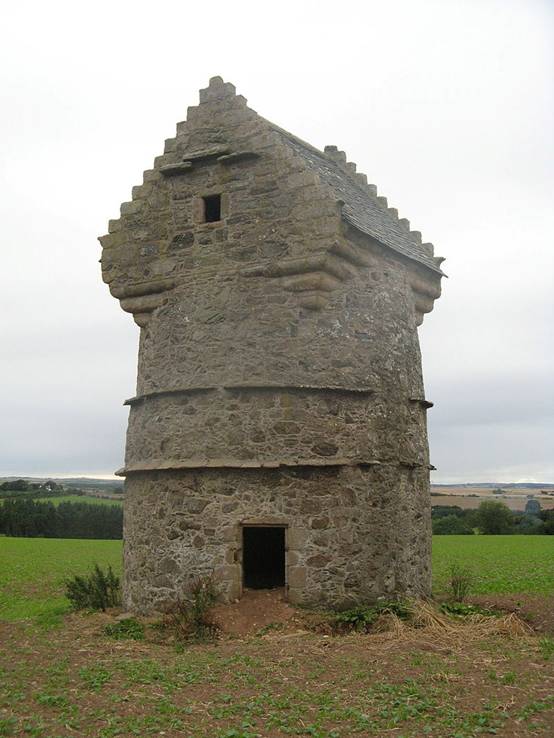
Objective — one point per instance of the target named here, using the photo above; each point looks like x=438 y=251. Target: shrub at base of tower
x=188 y=619
x=95 y=591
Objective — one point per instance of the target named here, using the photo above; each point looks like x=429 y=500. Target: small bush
x=188 y=618
x=460 y=582
x=95 y=591
x=127 y=629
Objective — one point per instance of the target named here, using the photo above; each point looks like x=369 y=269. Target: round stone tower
x=278 y=432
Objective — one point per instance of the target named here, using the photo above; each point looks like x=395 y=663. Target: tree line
x=32 y=519
x=22 y=485
x=490 y=518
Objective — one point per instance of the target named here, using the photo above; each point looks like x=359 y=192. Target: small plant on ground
x=460 y=581
x=189 y=618
x=546 y=645
x=126 y=629
x=463 y=609
x=96 y=591
x=271 y=627
x=360 y=618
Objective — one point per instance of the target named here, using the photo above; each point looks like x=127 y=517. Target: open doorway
x=263 y=556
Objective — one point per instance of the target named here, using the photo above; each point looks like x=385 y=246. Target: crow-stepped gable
x=278 y=433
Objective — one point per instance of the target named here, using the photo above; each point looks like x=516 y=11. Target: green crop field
x=32 y=570
x=81 y=498
x=501 y=564
x=461 y=682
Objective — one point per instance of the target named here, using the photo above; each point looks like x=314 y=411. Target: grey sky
x=447 y=106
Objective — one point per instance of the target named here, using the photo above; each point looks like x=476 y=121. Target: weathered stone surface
x=279 y=377
x=374 y=549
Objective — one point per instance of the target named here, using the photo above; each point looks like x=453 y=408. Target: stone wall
x=279 y=373
x=353 y=533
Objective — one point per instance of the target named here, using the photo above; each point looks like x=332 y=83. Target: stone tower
x=278 y=433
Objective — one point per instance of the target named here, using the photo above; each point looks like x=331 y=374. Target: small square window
x=212 y=208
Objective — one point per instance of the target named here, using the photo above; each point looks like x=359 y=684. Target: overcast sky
x=447 y=106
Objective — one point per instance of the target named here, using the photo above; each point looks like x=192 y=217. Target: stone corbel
x=142 y=299
x=312 y=278
x=222 y=154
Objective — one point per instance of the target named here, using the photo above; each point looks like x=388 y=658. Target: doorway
x=263 y=556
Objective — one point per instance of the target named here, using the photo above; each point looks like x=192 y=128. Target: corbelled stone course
x=279 y=377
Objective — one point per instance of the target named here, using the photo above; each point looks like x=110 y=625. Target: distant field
x=473 y=500
x=509 y=489
x=81 y=498
x=469 y=497
x=33 y=569
x=75 y=498
x=502 y=564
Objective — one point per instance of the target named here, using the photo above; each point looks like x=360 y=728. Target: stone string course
x=280 y=336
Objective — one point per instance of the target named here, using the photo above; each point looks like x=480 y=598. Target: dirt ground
x=258 y=609
x=536 y=610
x=269 y=676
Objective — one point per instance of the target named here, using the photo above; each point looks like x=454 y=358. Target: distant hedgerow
x=95 y=591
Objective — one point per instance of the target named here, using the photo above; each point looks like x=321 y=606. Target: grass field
x=82 y=498
x=501 y=564
x=33 y=569
x=74 y=680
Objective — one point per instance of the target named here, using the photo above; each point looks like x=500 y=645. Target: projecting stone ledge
x=422 y=402
x=250 y=388
x=159 y=465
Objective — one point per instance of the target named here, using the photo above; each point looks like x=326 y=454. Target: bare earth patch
x=537 y=610
x=258 y=609
x=268 y=677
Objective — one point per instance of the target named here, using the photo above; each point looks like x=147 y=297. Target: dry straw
x=427 y=624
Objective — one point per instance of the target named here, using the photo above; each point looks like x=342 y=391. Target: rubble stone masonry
x=279 y=376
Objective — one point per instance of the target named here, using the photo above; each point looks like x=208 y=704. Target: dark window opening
x=212 y=208
x=263 y=556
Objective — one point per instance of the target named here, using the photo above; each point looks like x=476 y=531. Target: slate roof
x=361 y=209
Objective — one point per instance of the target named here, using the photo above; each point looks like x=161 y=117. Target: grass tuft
x=126 y=629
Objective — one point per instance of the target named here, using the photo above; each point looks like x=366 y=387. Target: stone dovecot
x=278 y=433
